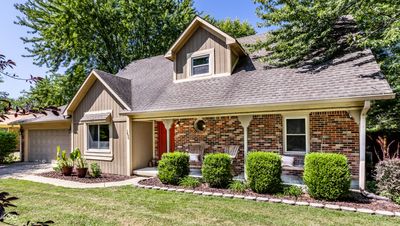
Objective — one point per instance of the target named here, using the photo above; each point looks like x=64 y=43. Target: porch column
x=167 y=124
x=362 y=134
x=245 y=122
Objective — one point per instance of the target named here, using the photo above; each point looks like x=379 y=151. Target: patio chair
x=196 y=153
x=232 y=151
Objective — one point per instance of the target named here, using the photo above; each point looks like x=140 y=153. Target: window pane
x=200 y=61
x=93 y=136
x=200 y=70
x=104 y=137
x=296 y=143
x=295 y=126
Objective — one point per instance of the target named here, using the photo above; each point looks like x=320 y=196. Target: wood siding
x=202 y=40
x=142 y=145
x=100 y=99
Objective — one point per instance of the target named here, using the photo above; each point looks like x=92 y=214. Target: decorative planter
x=82 y=172
x=67 y=170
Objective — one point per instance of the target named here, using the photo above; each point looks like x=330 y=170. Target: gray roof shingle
x=148 y=83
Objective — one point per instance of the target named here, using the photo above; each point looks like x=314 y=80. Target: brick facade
x=329 y=132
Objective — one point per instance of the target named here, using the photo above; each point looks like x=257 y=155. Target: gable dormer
x=203 y=51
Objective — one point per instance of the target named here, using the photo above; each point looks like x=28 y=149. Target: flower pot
x=82 y=172
x=67 y=170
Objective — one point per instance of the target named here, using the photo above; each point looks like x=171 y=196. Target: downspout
x=362 y=133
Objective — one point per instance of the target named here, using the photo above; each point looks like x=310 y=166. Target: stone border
x=275 y=200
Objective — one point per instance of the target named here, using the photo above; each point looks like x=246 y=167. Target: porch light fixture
x=199 y=125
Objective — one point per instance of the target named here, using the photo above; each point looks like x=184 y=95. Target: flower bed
x=89 y=180
x=355 y=201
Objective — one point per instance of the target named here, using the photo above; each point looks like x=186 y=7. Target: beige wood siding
x=142 y=145
x=202 y=40
x=100 y=99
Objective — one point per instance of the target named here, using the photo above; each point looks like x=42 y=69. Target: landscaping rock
x=156 y=188
x=164 y=189
x=363 y=210
x=171 y=189
x=287 y=201
x=317 y=205
x=238 y=196
x=384 y=213
x=346 y=208
x=198 y=192
x=148 y=187
x=207 y=193
x=227 y=196
x=397 y=214
x=275 y=200
x=332 y=207
x=300 y=203
x=189 y=191
x=261 y=199
x=250 y=198
x=180 y=190
x=217 y=194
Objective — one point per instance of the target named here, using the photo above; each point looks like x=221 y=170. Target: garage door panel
x=43 y=144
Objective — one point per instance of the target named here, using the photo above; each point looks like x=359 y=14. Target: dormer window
x=201 y=65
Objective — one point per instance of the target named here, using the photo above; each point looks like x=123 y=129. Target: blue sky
x=12 y=46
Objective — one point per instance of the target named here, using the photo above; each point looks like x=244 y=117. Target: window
x=201 y=65
x=99 y=137
x=296 y=135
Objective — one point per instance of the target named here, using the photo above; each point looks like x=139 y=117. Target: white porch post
x=362 y=134
x=167 y=124
x=245 y=122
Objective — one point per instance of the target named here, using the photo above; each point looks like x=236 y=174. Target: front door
x=162 y=139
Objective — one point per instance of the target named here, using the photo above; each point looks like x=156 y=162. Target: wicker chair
x=232 y=151
x=196 y=152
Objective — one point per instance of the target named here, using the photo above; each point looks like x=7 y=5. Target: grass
x=132 y=206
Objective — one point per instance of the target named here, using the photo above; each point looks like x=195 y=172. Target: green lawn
x=132 y=206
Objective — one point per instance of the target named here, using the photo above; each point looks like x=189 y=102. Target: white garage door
x=43 y=144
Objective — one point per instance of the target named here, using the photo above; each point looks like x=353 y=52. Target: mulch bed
x=89 y=180
x=354 y=199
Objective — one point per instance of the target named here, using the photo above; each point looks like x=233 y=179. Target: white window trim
x=197 y=54
x=285 y=118
x=98 y=154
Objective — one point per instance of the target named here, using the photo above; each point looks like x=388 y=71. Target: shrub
x=216 y=170
x=238 y=186
x=327 y=175
x=189 y=182
x=293 y=191
x=95 y=170
x=8 y=144
x=388 y=178
x=264 y=172
x=173 y=167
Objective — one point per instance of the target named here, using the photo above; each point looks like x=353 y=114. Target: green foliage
x=371 y=186
x=264 y=172
x=238 y=186
x=63 y=160
x=293 y=191
x=173 y=167
x=8 y=144
x=75 y=154
x=388 y=178
x=234 y=28
x=304 y=30
x=327 y=175
x=95 y=170
x=216 y=170
x=81 y=163
x=189 y=182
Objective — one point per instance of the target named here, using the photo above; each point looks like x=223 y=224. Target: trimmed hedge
x=327 y=175
x=216 y=170
x=264 y=172
x=388 y=178
x=173 y=167
x=8 y=144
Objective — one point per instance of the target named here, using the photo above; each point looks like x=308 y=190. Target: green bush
x=95 y=170
x=238 y=186
x=8 y=144
x=264 y=172
x=173 y=167
x=327 y=175
x=216 y=170
x=293 y=191
x=189 y=182
x=388 y=178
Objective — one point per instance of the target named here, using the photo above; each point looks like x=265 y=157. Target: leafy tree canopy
x=235 y=28
x=307 y=29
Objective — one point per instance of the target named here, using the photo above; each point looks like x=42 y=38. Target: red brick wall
x=265 y=133
x=335 y=132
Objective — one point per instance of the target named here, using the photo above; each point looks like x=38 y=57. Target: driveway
x=22 y=169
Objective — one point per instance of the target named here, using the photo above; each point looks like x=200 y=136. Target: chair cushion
x=287 y=160
x=194 y=157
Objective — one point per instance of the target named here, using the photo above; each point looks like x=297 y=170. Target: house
x=208 y=90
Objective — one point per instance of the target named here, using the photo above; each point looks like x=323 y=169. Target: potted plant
x=81 y=167
x=64 y=163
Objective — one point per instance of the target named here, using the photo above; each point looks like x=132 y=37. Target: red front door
x=162 y=139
